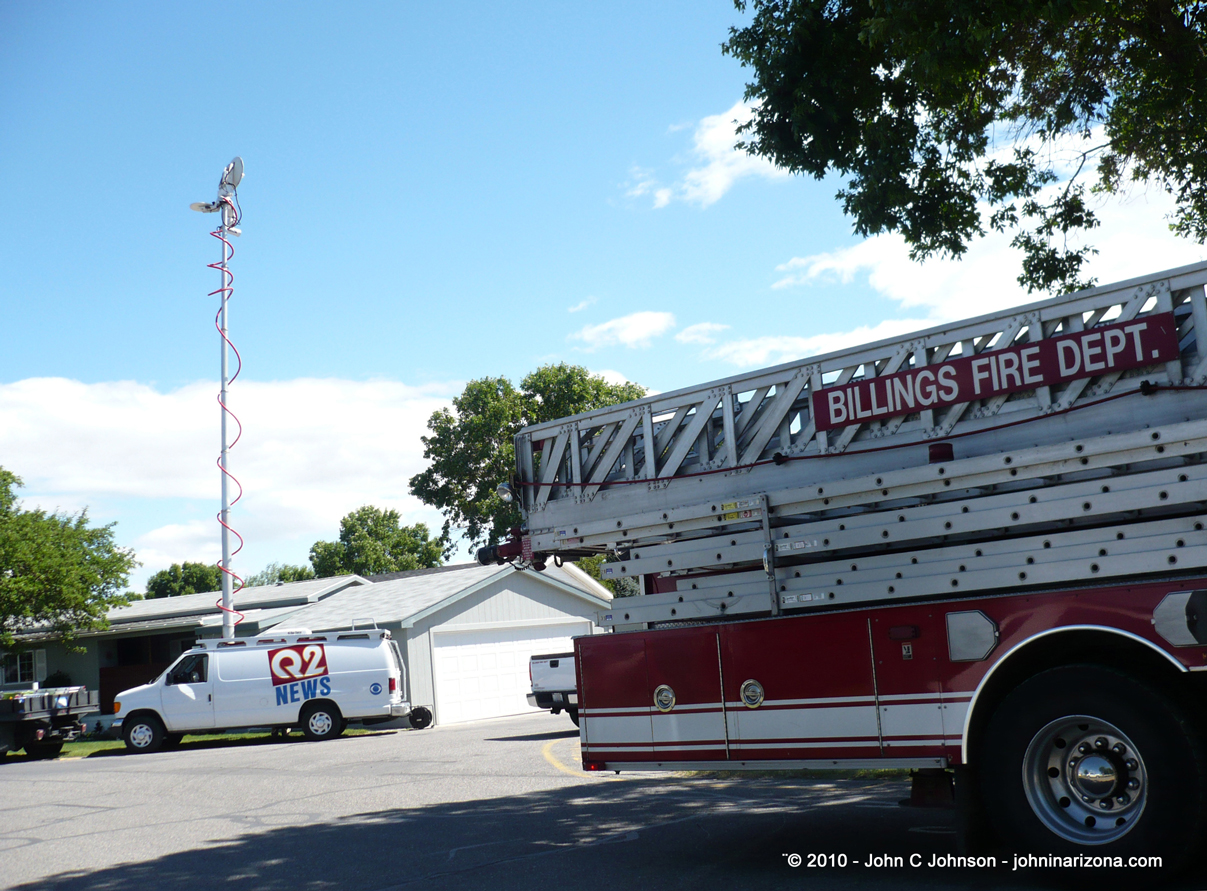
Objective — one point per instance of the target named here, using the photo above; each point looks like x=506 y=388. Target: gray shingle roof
x=296 y=594
x=404 y=595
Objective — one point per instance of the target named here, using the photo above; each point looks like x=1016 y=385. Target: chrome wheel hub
x=320 y=723
x=141 y=736
x=1085 y=780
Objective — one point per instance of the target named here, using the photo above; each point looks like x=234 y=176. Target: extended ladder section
x=1050 y=444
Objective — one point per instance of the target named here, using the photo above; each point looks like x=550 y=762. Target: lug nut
x=1131 y=763
x=1105 y=804
x=1133 y=784
x=1118 y=748
x=1123 y=799
x=1100 y=742
x=1084 y=748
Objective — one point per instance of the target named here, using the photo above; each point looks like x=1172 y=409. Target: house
x=466 y=631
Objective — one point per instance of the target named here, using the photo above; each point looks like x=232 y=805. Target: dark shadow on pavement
x=651 y=833
x=559 y=734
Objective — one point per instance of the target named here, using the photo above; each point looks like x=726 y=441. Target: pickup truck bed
x=554 y=684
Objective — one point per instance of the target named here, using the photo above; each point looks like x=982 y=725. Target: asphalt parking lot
x=500 y=804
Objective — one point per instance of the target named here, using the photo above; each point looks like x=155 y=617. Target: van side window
x=190 y=670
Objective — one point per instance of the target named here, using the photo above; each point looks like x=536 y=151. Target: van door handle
x=210 y=697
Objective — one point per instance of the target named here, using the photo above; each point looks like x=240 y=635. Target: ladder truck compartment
x=981 y=546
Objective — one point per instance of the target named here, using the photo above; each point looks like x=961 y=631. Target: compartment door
x=817 y=690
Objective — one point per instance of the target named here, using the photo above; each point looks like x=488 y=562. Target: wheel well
x=1076 y=647
x=142 y=713
x=312 y=704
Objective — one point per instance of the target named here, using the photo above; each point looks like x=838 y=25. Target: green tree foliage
x=56 y=570
x=930 y=109
x=471 y=449
x=622 y=586
x=372 y=541
x=279 y=572
x=184 y=578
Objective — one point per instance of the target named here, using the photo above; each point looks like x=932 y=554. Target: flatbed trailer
x=979 y=548
x=40 y=721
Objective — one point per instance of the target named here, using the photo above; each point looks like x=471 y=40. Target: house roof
x=193 y=610
x=408 y=596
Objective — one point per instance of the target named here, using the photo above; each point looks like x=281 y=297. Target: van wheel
x=321 y=721
x=420 y=717
x=144 y=734
x=573 y=713
x=1084 y=759
x=172 y=740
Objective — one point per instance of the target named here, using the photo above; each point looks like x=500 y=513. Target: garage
x=484 y=673
x=466 y=631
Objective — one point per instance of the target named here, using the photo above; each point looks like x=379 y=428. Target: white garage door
x=484 y=673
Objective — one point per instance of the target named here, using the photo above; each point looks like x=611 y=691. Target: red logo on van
x=289 y=664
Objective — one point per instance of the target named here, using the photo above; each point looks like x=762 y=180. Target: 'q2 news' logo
x=299 y=673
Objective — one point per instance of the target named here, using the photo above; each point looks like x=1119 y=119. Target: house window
x=17 y=668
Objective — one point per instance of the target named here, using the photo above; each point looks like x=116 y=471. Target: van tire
x=172 y=740
x=321 y=720
x=143 y=733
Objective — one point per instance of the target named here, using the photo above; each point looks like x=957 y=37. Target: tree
x=471 y=449
x=279 y=572
x=932 y=110
x=184 y=578
x=373 y=541
x=621 y=586
x=56 y=570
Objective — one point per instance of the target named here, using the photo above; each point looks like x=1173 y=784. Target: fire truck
x=978 y=547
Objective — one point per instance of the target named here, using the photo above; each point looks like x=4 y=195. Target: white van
x=318 y=682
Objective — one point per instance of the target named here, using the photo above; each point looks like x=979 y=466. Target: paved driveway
x=498 y=804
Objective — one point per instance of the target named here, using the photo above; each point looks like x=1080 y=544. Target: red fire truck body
x=854 y=688
x=980 y=546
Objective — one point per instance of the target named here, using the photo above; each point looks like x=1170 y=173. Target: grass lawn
x=102 y=748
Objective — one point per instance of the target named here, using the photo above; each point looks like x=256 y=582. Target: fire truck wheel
x=321 y=720
x=144 y=733
x=573 y=713
x=1085 y=759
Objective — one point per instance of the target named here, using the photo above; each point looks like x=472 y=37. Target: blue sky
x=432 y=195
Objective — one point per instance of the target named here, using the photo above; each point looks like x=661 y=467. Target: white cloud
x=715 y=164
x=312 y=450
x=772 y=350
x=612 y=377
x=634 y=330
x=701 y=332
x=581 y=305
x=1133 y=239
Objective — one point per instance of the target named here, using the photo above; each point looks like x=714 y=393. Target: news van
x=316 y=682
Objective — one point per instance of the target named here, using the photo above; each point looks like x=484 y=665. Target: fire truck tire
x=143 y=733
x=1085 y=759
x=573 y=713
x=320 y=721
x=43 y=749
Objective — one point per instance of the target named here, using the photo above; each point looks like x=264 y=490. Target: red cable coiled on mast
x=226 y=290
